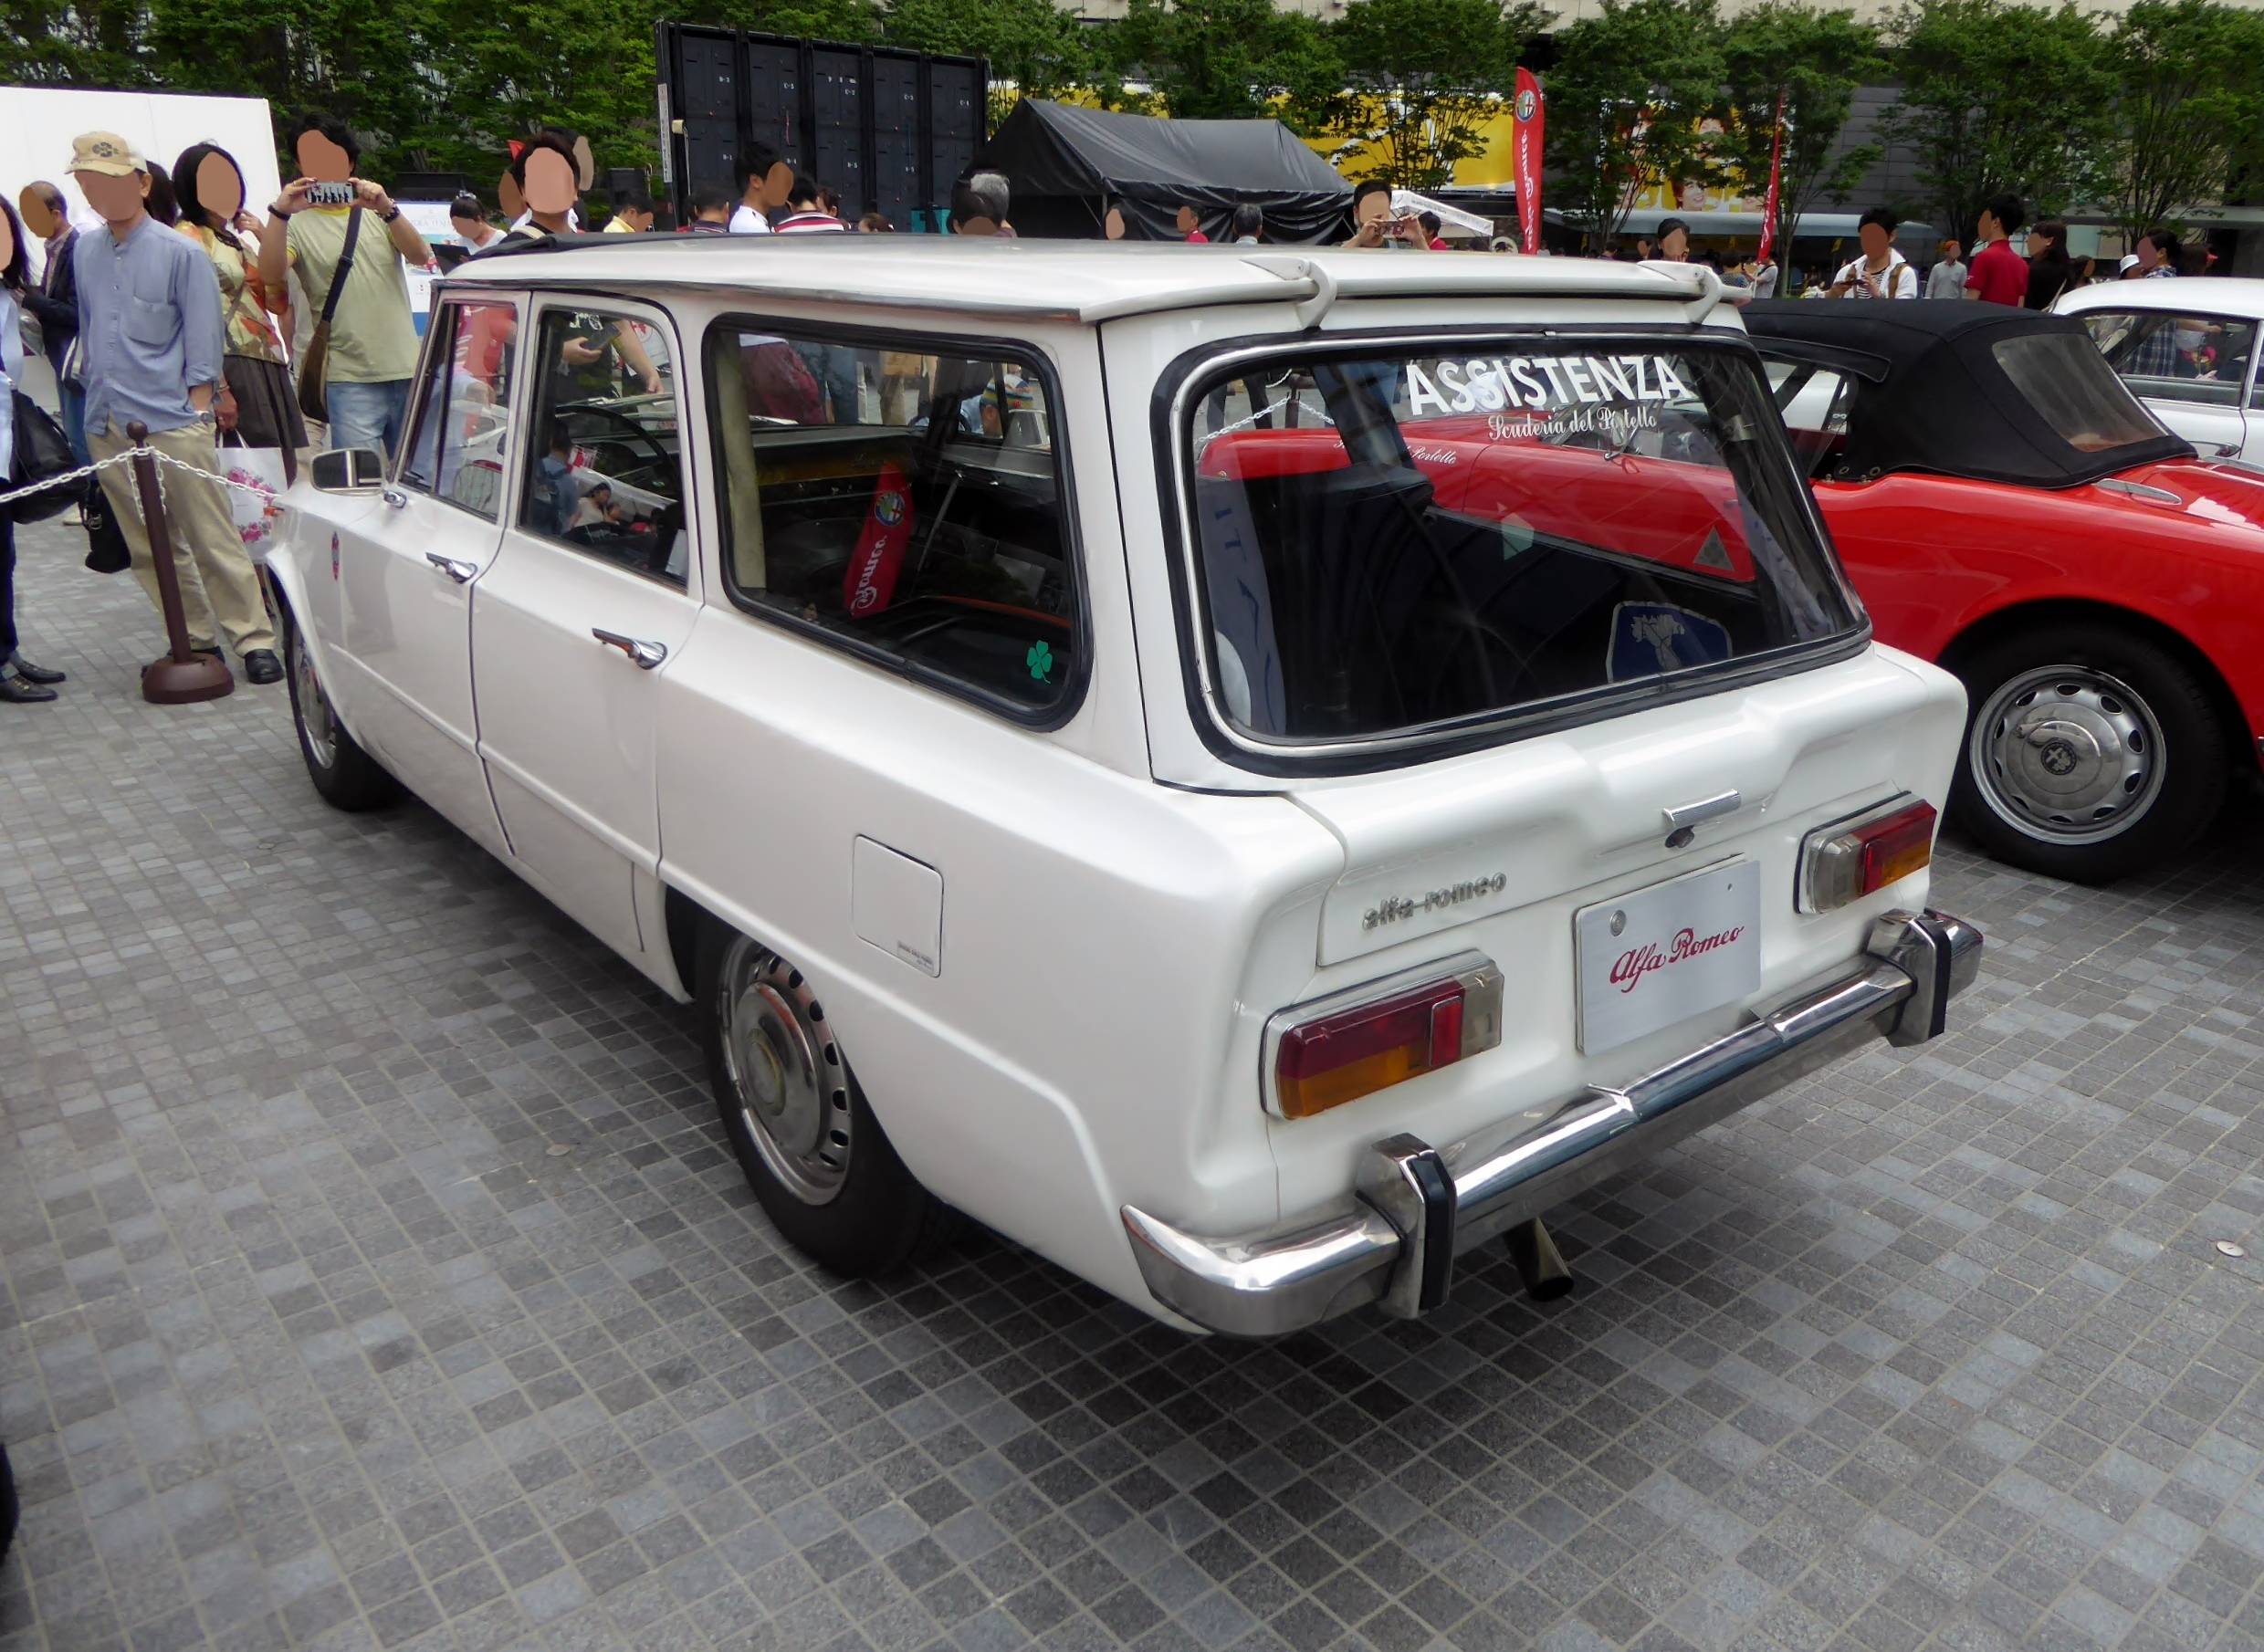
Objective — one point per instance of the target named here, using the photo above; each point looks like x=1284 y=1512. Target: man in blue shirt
x=150 y=335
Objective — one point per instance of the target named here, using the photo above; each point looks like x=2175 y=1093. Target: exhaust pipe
x=1543 y=1269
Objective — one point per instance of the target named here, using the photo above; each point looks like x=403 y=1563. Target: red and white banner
x=871 y=577
x=1777 y=162
x=1529 y=113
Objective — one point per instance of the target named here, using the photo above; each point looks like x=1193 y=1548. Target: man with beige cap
x=151 y=339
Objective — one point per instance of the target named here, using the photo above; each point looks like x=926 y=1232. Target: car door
x=590 y=597
x=407 y=566
x=2195 y=372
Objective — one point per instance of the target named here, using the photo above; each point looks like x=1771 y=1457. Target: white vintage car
x=2186 y=347
x=1249 y=772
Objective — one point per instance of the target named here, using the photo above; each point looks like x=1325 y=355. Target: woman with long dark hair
x=256 y=402
x=21 y=682
x=2050 y=271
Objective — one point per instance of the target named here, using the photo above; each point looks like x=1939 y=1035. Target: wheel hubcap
x=2067 y=754
x=314 y=706
x=786 y=1071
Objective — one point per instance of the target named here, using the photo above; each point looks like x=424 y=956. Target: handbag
x=106 y=551
x=254 y=512
x=42 y=453
x=314 y=364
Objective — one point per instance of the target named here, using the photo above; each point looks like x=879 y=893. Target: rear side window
x=2173 y=357
x=904 y=501
x=2073 y=390
x=1401 y=541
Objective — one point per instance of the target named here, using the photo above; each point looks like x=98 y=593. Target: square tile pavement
x=310 y=1336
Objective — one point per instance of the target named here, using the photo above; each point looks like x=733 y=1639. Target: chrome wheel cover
x=317 y=728
x=788 y=1079
x=2067 y=754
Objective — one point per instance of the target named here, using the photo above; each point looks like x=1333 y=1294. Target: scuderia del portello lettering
x=1491 y=385
x=1630 y=966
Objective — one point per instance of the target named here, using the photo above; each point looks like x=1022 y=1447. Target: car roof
x=1074 y=280
x=1933 y=390
x=2217 y=294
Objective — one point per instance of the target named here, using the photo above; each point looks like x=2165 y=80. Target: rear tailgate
x=1503 y=851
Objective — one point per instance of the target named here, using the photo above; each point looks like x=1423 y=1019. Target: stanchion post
x=184 y=675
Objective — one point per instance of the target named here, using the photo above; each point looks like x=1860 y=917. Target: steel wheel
x=784 y=1071
x=318 y=729
x=2067 y=754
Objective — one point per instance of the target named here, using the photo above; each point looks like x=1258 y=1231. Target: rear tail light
x=1353 y=1043
x=1850 y=858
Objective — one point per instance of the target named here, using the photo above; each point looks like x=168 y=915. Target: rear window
x=2069 y=384
x=1401 y=539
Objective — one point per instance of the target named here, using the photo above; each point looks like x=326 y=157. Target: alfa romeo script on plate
x=1654 y=956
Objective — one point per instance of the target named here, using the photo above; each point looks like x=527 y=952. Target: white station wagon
x=1249 y=772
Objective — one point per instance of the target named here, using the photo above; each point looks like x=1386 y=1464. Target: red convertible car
x=2002 y=502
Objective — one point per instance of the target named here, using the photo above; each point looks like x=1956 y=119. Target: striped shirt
x=811 y=223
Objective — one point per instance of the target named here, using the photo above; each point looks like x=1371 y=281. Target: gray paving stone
x=307 y=1339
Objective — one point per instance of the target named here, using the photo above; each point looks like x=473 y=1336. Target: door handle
x=1706 y=809
x=461 y=572
x=646 y=655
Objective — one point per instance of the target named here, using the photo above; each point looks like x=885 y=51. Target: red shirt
x=2000 y=275
x=1196 y=237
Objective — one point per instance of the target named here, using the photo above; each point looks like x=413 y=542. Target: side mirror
x=349 y=470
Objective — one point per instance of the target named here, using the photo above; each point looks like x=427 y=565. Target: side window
x=2172 y=358
x=605 y=471
x=1815 y=403
x=463 y=432
x=929 y=527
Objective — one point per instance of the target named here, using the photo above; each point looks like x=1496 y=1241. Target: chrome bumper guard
x=1417 y=1207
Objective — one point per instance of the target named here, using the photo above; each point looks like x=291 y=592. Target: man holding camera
x=347 y=238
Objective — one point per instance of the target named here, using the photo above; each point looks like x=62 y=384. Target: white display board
x=38 y=122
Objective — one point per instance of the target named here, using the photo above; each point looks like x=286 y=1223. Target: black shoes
x=15 y=691
x=261 y=666
x=30 y=673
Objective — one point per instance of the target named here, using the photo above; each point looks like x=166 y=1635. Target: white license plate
x=1658 y=955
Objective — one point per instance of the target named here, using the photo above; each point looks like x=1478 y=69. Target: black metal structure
x=890 y=130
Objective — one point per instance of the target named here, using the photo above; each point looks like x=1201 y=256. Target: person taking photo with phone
x=349 y=244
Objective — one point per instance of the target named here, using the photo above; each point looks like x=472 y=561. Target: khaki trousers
x=220 y=596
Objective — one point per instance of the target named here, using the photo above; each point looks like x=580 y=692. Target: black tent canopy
x=1067 y=165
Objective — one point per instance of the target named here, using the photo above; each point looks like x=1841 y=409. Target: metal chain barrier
x=127 y=458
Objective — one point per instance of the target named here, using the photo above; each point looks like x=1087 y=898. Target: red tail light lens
x=1850 y=859
x=1351 y=1044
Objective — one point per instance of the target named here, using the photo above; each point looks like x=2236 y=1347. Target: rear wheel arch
x=2022 y=618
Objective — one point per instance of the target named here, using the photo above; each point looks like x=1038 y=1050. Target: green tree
x=1629 y=99
x=1424 y=77
x=1216 y=59
x=2001 y=96
x=2188 y=114
x=1813 y=61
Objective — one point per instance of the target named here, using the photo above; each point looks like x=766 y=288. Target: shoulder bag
x=41 y=454
x=313 y=364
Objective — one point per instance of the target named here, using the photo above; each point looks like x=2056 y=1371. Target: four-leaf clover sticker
x=1039 y=659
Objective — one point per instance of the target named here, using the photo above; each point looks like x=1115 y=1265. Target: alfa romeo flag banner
x=1526 y=131
x=1776 y=164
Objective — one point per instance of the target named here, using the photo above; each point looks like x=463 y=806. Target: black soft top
x=1932 y=392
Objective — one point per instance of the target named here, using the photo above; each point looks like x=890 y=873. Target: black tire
x=876 y=1216
x=348 y=777
x=2159 y=794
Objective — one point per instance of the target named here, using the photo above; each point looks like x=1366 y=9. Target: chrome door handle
x=396 y=498
x=461 y=572
x=646 y=655
x=1703 y=811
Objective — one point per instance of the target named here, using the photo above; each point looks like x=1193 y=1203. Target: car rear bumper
x=1394 y=1239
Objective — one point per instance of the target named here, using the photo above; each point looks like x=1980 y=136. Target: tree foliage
x=1634 y=89
x=1422 y=79
x=1999 y=96
x=1217 y=60
x=2188 y=117
x=1813 y=61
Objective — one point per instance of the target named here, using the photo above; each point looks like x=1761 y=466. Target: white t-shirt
x=747 y=221
x=1899 y=281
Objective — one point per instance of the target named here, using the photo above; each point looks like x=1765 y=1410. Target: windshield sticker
x=1651 y=639
x=1544 y=383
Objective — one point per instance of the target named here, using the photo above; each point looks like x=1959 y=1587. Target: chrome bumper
x=1417 y=1207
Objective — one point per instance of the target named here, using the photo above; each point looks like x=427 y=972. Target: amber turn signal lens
x=1848 y=860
